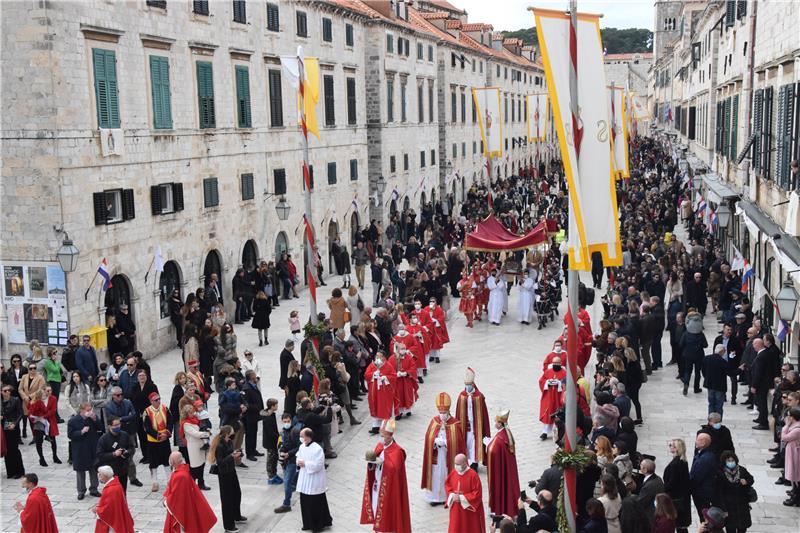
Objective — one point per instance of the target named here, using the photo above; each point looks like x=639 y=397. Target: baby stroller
x=542 y=306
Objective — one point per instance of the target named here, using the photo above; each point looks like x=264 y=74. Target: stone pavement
x=507 y=361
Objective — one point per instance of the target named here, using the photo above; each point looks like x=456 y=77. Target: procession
x=574 y=344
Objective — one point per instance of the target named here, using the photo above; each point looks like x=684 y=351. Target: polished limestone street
x=507 y=361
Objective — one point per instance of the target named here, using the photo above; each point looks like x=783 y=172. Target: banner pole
x=309 y=236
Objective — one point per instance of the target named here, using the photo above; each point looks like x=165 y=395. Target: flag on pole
x=701 y=207
x=159 y=260
x=746 y=276
x=103 y=271
x=582 y=133
x=487 y=108
x=783 y=328
x=619 y=132
x=290 y=65
x=537 y=117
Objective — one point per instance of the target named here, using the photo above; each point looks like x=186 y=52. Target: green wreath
x=314 y=331
x=576 y=460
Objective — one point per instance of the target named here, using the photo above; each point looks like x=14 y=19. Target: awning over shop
x=492 y=236
x=786 y=247
x=717 y=189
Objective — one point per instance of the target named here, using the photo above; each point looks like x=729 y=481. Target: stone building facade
x=171 y=126
x=628 y=70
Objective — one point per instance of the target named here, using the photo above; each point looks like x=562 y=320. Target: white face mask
x=444 y=416
x=379 y=362
x=432 y=305
x=287 y=425
x=557 y=349
x=417 y=306
x=461 y=468
x=470 y=388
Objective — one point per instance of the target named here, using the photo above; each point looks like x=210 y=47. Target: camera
x=496 y=519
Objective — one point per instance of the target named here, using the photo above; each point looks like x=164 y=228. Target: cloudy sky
x=513 y=14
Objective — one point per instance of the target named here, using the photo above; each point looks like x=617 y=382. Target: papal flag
x=619 y=131
x=537 y=117
x=291 y=66
x=487 y=106
x=639 y=107
x=583 y=132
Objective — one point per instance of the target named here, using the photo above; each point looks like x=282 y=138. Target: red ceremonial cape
x=455 y=444
x=441 y=329
x=392 y=512
x=187 y=508
x=37 y=516
x=502 y=475
x=112 y=510
x=422 y=338
x=552 y=397
x=381 y=399
x=479 y=415
x=469 y=520
x=412 y=345
x=405 y=391
x=548 y=360
x=467 y=303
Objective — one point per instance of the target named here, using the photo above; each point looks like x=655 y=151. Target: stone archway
x=281 y=245
x=168 y=281
x=333 y=234
x=250 y=256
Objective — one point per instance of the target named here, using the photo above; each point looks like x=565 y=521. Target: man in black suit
x=651 y=486
x=762 y=376
x=733 y=355
x=255 y=404
x=286 y=357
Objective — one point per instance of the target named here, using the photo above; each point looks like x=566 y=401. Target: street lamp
x=786 y=300
x=283 y=208
x=697 y=180
x=67 y=255
x=723 y=215
x=379 y=184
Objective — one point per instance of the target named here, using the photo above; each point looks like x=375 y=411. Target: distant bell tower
x=666 y=26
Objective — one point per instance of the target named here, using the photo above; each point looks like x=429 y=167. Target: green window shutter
x=734 y=127
x=155 y=200
x=128 y=207
x=766 y=134
x=205 y=94
x=783 y=138
x=279 y=177
x=353 y=169
x=100 y=209
x=726 y=125
x=243 y=96
x=758 y=118
x=159 y=84
x=248 y=188
x=331 y=173
x=210 y=192
x=105 y=87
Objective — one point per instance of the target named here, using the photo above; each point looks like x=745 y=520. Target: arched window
x=281 y=245
x=117 y=295
x=213 y=265
x=406 y=203
x=354 y=227
x=250 y=256
x=170 y=280
x=422 y=200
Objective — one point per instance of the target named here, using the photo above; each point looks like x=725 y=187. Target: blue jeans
x=716 y=399
x=289 y=483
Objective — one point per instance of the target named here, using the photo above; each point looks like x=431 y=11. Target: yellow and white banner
x=585 y=148
x=619 y=131
x=639 y=107
x=537 y=117
x=487 y=106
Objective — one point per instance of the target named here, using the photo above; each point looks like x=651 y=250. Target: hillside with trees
x=616 y=41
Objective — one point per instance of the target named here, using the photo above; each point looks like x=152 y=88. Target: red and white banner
x=487 y=105
x=537 y=117
x=619 y=131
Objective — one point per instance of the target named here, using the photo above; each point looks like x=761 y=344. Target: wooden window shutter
x=273 y=17
x=201 y=7
x=100 y=211
x=155 y=199
x=240 y=11
x=105 y=86
x=159 y=84
x=758 y=118
x=275 y=99
x=734 y=127
x=243 y=96
x=351 y=101
x=177 y=196
x=730 y=12
x=248 y=189
x=766 y=134
x=128 y=209
x=783 y=138
x=330 y=110
x=205 y=94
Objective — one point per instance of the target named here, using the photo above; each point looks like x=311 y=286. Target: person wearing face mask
x=422 y=339
x=558 y=351
x=473 y=416
x=406 y=387
x=551 y=384
x=731 y=493
x=382 y=380
x=385 y=497
x=37 y=512
x=287 y=453
x=526 y=297
x=501 y=466
x=721 y=439
x=83 y=429
x=186 y=506
x=114 y=449
x=312 y=483
x=112 y=509
x=464 y=498
x=444 y=439
x=434 y=318
x=414 y=348
x=497 y=297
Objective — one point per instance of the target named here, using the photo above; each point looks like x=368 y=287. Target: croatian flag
x=748 y=273
x=713 y=218
x=783 y=329
x=103 y=271
x=701 y=207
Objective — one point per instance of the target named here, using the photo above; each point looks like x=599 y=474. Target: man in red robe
x=405 y=390
x=422 y=339
x=385 y=499
x=434 y=318
x=36 y=515
x=585 y=337
x=465 y=499
x=444 y=439
x=501 y=467
x=382 y=379
x=413 y=345
x=112 y=509
x=558 y=351
x=187 y=508
x=468 y=303
x=552 y=386
x=473 y=416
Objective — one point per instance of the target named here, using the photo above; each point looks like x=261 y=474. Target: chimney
x=497 y=41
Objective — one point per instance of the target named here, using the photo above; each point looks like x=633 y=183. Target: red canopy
x=492 y=236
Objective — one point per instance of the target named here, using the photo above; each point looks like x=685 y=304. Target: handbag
x=214 y=469
x=360 y=303
x=752 y=495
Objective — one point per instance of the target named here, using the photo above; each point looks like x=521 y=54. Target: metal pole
x=309 y=230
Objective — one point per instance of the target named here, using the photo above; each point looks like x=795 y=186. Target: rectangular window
x=433 y=157
x=453 y=108
x=348 y=35
x=430 y=102
x=157 y=3
x=402 y=101
x=463 y=106
x=420 y=52
x=279 y=180
x=113 y=206
x=392 y=164
x=474 y=111
x=240 y=11
x=200 y=7
x=327 y=30
x=310 y=177
x=474 y=148
x=351 y=101
x=783 y=135
x=162 y=198
x=248 y=187
x=353 y=169
x=245 y=119
x=205 y=95
x=430 y=53
x=405 y=162
x=330 y=112
x=389 y=100
x=331 y=173
x=275 y=98
x=420 y=104
x=498 y=71
x=159 y=88
x=389 y=43
x=302 y=24
x=455 y=150
x=105 y=88
x=273 y=17
x=422 y=159
x=210 y=192
x=463 y=149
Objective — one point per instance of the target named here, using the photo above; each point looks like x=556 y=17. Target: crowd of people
x=381 y=349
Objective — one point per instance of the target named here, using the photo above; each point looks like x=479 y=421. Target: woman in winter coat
x=261 y=312
x=191 y=347
x=227 y=338
x=790 y=440
x=42 y=414
x=731 y=493
x=693 y=344
x=100 y=398
x=354 y=305
x=338 y=306
x=193 y=439
x=676 y=484
x=78 y=392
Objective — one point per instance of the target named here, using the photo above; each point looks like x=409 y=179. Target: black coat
x=693 y=345
x=254 y=401
x=269 y=432
x=286 y=357
x=314 y=420
x=83 y=445
x=676 y=485
x=108 y=444
x=721 y=439
x=735 y=351
x=715 y=373
x=732 y=498
x=261 y=312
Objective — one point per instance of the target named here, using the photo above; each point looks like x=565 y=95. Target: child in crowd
x=269 y=441
x=204 y=417
x=294 y=322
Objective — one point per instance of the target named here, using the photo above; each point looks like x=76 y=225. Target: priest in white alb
x=526 y=294
x=497 y=293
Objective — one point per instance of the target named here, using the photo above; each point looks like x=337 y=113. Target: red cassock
x=112 y=510
x=469 y=519
x=585 y=338
x=552 y=386
x=437 y=315
x=502 y=474
x=380 y=395
x=412 y=344
x=480 y=419
x=392 y=510
x=428 y=331
x=455 y=445
x=405 y=390
x=548 y=360
x=422 y=337
x=37 y=516
x=188 y=510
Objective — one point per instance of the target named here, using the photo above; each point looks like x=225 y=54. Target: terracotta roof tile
x=475 y=26
x=434 y=15
x=618 y=57
x=453 y=24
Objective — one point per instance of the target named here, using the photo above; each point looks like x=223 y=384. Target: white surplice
x=439 y=470
x=497 y=291
x=526 y=300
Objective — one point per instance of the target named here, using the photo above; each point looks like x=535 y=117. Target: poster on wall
x=35 y=296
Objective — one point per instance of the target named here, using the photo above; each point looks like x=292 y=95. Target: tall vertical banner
x=639 y=107
x=537 y=117
x=583 y=133
x=619 y=131
x=487 y=107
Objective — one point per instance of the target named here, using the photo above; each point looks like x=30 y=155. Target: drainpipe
x=747 y=95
